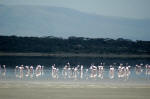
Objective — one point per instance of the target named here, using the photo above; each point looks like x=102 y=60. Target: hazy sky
x=138 y=9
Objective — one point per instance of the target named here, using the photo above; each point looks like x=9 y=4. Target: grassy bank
x=76 y=55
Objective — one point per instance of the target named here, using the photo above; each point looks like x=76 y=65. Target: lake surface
x=142 y=76
x=12 y=61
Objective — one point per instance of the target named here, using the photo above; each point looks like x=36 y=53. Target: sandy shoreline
x=70 y=84
x=72 y=90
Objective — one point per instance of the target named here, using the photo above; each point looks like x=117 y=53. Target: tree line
x=72 y=44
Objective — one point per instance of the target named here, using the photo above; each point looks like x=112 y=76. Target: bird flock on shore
x=77 y=72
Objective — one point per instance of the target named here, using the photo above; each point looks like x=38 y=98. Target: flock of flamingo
x=77 y=72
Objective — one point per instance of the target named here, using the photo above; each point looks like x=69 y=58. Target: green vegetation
x=73 y=45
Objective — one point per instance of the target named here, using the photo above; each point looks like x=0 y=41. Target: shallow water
x=46 y=75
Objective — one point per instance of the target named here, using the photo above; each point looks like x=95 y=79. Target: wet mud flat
x=72 y=90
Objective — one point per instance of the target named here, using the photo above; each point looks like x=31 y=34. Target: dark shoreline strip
x=76 y=55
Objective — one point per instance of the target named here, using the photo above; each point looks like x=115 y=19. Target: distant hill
x=32 y=20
